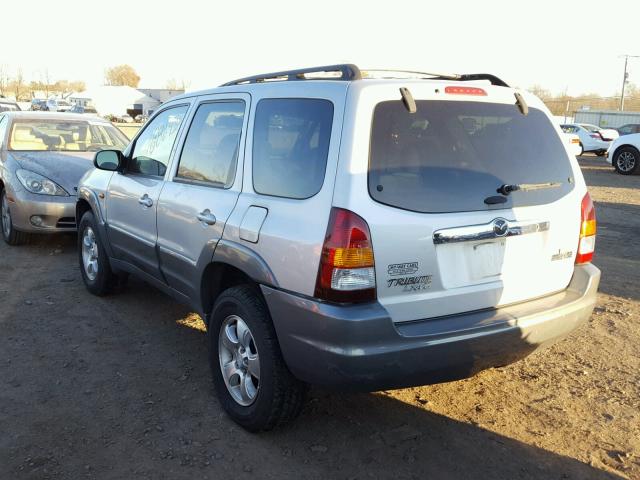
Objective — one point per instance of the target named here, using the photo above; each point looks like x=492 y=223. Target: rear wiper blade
x=506 y=189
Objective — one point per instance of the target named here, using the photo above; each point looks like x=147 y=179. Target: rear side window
x=450 y=156
x=210 y=151
x=290 y=146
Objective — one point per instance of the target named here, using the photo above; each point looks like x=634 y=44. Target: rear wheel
x=250 y=376
x=581 y=149
x=9 y=234
x=626 y=160
x=94 y=263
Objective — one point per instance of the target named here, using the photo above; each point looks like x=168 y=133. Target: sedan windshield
x=64 y=136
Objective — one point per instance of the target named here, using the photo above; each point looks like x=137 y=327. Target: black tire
x=10 y=235
x=626 y=160
x=280 y=396
x=104 y=280
x=601 y=153
x=581 y=149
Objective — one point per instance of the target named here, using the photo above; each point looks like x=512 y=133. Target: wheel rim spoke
x=254 y=366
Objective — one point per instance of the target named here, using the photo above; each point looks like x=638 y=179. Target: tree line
x=563 y=104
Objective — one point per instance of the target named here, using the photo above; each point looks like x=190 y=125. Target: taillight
x=346 y=272
x=465 y=91
x=587 y=242
x=596 y=135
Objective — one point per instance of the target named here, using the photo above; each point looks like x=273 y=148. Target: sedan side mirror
x=110 y=160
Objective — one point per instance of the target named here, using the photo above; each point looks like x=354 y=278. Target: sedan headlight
x=36 y=183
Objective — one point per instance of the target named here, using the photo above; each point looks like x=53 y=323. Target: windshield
x=64 y=136
x=450 y=156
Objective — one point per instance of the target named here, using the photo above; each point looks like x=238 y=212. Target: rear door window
x=450 y=156
x=290 y=146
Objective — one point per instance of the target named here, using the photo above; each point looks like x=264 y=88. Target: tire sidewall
x=250 y=416
x=6 y=238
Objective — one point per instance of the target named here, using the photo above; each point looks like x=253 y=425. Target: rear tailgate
x=445 y=241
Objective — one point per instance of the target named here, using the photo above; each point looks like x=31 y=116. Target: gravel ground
x=119 y=387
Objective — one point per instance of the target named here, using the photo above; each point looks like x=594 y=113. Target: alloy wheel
x=90 y=253
x=626 y=161
x=239 y=360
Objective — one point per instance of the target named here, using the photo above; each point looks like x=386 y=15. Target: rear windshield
x=450 y=156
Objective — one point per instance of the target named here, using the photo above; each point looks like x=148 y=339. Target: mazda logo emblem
x=500 y=227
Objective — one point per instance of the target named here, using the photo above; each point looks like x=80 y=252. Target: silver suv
x=343 y=230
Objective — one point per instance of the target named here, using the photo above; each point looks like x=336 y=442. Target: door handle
x=206 y=217
x=145 y=201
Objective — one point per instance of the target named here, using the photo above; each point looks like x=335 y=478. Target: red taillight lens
x=596 y=135
x=587 y=241
x=346 y=272
x=465 y=91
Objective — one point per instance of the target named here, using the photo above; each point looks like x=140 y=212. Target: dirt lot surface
x=119 y=388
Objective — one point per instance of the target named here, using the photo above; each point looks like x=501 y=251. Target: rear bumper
x=359 y=347
x=57 y=213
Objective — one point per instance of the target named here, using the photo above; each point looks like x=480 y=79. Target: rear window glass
x=450 y=156
x=290 y=146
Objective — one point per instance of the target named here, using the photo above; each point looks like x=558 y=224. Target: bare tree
x=122 y=75
x=173 y=84
x=4 y=79
x=17 y=84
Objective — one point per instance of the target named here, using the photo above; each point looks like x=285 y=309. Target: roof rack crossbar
x=347 y=72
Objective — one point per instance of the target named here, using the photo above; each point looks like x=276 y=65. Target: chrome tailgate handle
x=497 y=228
x=206 y=217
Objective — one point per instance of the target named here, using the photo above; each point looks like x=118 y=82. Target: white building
x=120 y=100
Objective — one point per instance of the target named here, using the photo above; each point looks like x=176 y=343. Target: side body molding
x=245 y=259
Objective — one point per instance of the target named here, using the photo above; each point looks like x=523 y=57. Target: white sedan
x=590 y=140
x=624 y=154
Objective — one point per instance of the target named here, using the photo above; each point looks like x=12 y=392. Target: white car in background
x=574 y=143
x=590 y=140
x=56 y=105
x=624 y=154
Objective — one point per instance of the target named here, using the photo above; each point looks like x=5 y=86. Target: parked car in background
x=629 y=128
x=7 y=105
x=56 y=105
x=607 y=134
x=141 y=118
x=351 y=232
x=590 y=141
x=85 y=109
x=124 y=119
x=42 y=157
x=624 y=154
x=574 y=143
x=39 y=105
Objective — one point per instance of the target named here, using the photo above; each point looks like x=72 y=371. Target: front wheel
x=626 y=160
x=250 y=376
x=94 y=263
x=10 y=235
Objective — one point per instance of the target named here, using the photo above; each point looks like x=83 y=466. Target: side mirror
x=110 y=160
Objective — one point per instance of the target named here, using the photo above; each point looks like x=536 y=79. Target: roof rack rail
x=347 y=72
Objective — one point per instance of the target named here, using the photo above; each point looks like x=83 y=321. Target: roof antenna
x=407 y=99
x=522 y=105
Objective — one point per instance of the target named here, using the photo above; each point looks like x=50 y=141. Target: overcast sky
x=560 y=45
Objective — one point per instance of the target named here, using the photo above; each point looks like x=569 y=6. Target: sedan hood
x=64 y=168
